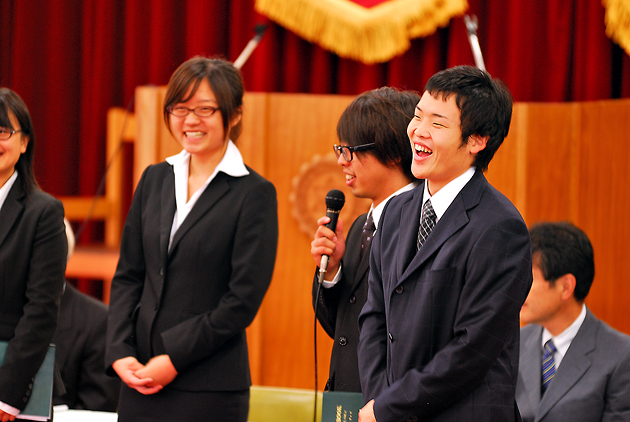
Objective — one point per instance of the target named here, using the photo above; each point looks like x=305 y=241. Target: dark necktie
x=548 y=366
x=427 y=222
x=368 y=233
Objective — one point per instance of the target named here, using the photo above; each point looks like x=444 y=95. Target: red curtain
x=71 y=60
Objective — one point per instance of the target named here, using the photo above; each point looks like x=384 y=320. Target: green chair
x=280 y=404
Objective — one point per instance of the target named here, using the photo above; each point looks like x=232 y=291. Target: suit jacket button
x=390 y=337
x=399 y=289
x=343 y=341
x=353 y=299
x=162 y=271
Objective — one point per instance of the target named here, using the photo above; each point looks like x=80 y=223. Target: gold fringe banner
x=617 y=20
x=370 y=35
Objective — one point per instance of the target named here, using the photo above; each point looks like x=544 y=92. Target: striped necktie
x=427 y=222
x=548 y=366
x=367 y=235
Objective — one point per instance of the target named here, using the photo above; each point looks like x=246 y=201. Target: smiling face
x=11 y=149
x=367 y=176
x=200 y=136
x=436 y=140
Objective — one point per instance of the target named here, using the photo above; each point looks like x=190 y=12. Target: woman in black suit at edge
x=196 y=258
x=33 y=250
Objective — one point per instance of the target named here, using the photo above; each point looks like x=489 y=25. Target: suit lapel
x=573 y=366
x=408 y=230
x=530 y=363
x=168 y=213
x=455 y=217
x=354 y=254
x=11 y=209
x=213 y=192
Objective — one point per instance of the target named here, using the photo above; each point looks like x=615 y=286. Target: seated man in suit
x=80 y=350
x=450 y=268
x=573 y=367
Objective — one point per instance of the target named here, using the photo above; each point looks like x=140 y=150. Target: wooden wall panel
x=300 y=127
x=604 y=205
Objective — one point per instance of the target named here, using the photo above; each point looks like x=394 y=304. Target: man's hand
x=366 y=413
x=327 y=242
x=160 y=369
x=126 y=369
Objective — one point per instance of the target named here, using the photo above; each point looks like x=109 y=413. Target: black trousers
x=187 y=406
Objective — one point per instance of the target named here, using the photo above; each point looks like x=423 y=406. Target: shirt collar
x=563 y=340
x=378 y=210
x=445 y=196
x=231 y=163
x=4 y=190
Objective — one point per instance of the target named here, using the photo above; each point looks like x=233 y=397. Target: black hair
x=381 y=116
x=485 y=105
x=562 y=248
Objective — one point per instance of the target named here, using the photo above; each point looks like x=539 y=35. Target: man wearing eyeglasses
x=375 y=157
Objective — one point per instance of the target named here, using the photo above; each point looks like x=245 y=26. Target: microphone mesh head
x=335 y=199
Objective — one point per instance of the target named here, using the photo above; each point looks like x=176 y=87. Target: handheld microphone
x=334 y=202
x=251 y=46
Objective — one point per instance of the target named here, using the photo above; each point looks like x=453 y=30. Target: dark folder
x=341 y=406
x=40 y=402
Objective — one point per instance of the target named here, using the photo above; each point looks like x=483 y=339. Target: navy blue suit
x=439 y=333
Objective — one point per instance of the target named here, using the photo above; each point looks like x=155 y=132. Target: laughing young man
x=449 y=270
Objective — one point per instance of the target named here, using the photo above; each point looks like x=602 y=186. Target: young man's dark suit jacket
x=338 y=311
x=440 y=328
x=80 y=354
x=592 y=382
x=194 y=301
x=33 y=253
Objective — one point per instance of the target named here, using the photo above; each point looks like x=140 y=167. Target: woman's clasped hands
x=146 y=379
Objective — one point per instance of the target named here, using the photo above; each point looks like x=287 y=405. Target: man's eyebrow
x=438 y=115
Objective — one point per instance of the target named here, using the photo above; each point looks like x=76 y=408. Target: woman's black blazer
x=194 y=301
x=33 y=254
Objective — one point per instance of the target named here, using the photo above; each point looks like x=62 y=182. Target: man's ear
x=477 y=143
x=568 y=283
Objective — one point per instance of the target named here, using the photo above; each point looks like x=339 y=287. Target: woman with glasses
x=196 y=259
x=33 y=249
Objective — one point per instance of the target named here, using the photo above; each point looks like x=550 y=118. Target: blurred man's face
x=543 y=302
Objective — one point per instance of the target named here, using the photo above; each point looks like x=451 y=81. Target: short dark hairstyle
x=485 y=105
x=562 y=248
x=381 y=116
x=225 y=81
x=10 y=101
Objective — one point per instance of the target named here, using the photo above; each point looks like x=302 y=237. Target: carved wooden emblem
x=309 y=189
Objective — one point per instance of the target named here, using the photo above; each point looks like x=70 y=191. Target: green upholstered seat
x=280 y=404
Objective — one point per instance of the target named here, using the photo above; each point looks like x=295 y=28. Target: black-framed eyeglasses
x=202 y=111
x=347 y=151
x=6 y=134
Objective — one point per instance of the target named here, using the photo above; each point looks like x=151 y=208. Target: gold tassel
x=369 y=35
x=617 y=20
